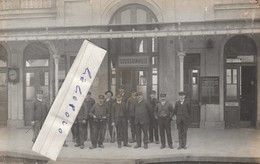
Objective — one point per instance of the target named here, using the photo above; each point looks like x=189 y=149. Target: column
x=56 y=58
x=181 y=55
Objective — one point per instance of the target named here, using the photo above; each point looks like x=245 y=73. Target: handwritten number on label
x=87 y=71
x=64 y=122
x=60 y=130
x=72 y=107
x=78 y=89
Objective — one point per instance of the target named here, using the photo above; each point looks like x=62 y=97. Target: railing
x=26 y=4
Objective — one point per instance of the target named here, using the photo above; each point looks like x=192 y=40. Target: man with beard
x=182 y=111
x=142 y=114
x=99 y=112
x=164 y=112
x=39 y=113
x=131 y=114
x=119 y=119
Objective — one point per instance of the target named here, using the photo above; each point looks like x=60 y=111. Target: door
x=232 y=96
x=191 y=86
x=248 y=96
x=135 y=79
x=36 y=79
x=3 y=97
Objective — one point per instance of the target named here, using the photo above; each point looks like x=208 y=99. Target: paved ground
x=230 y=145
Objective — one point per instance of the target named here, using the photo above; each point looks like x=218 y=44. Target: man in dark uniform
x=131 y=114
x=119 y=119
x=142 y=114
x=79 y=127
x=153 y=127
x=182 y=111
x=89 y=102
x=164 y=112
x=109 y=101
x=99 y=112
x=39 y=113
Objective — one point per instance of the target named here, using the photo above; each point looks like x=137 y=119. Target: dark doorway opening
x=248 y=96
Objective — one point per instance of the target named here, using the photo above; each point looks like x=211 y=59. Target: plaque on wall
x=209 y=90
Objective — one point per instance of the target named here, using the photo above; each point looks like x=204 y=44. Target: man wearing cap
x=153 y=127
x=164 y=112
x=109 y=101
x=119 y=119
x=39 y=113
x=131 y=113
x=89 y=102
x=182 y=111
x=99 y=112
x=79 y=127
x=142 y=115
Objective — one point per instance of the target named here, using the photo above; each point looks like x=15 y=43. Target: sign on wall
x=133 y=61
x=209 y=90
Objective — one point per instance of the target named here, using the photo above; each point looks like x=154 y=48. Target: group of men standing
x=145 y=117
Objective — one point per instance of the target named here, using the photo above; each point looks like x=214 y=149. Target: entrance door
x=232 y=96
x=191 y=86
x=36 y=79
x=135 y=79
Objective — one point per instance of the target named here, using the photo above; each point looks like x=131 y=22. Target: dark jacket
x=40 y=110
x=100 y=111
x=142 y=112
x=125 y=97
x=182 y=112
x=164 y=110
x=131 y=106
x=109 y=104
x=83 y=114
x=119 y=111
x=88 y=103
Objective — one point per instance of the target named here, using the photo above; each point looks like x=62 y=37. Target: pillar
x=181 y=55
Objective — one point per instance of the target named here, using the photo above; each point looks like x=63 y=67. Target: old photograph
x=130 y=81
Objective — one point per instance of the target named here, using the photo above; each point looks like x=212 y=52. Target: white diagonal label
x=69 y=99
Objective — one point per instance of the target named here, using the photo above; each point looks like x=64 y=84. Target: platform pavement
x=225 y=145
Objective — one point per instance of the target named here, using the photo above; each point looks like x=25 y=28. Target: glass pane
x=30 y=79
x=234 y=76
x=231 y=91
x=155 y=79
x=37 y=63
x=141 y=16
x=30 y=93
x=155 y=71
x=3 y=94
x=3 y=80
x=195 y=92
x=228 y=76
x=113 y=82
x=142 y=78
x=155 y=88
x=3 y=63
x=46 y=78
x=154 y=61
x=125 y=17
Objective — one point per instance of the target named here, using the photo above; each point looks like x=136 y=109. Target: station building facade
x=207 y=48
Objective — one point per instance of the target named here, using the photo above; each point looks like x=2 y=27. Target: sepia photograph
x=130 y=81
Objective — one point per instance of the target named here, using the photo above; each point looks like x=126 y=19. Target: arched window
x=134 y=17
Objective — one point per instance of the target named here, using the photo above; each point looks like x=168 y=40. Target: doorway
x=248 y=96
x=191 y=86
x=135 y=79
x=240 y=82
x=37 y=76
